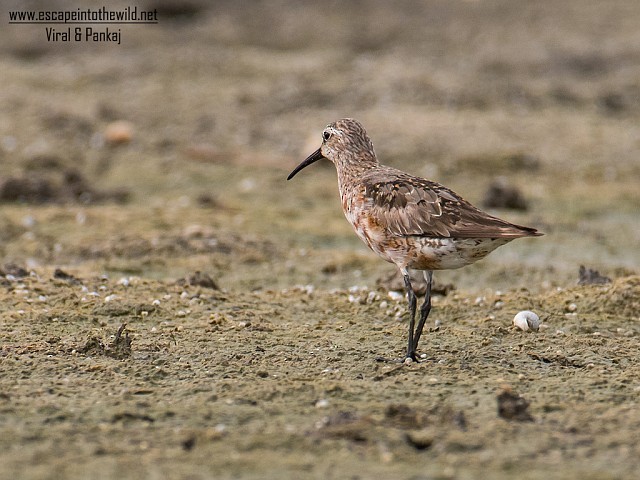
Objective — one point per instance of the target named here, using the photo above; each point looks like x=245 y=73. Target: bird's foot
x=407 y=360
x=411 y=358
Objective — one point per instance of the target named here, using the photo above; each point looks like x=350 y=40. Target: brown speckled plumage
x=409 y=221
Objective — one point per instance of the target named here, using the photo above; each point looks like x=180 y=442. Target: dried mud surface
x=171 y=307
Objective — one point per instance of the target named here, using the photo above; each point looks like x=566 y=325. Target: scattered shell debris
x=395 y=296
x=526 y=321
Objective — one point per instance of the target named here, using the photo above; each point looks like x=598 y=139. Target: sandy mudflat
x=128 y=168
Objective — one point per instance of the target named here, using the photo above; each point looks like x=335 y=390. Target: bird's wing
x=412 y=206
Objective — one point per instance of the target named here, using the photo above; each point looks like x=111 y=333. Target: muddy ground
x=171 y=307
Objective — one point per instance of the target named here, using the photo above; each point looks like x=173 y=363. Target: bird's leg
x=424 y=310
x=411 y=296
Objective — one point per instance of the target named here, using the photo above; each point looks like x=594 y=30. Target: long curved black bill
x=313 y=158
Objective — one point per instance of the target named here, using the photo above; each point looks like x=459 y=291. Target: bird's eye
x=326 y=135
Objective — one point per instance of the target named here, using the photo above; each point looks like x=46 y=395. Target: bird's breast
x=357 y=211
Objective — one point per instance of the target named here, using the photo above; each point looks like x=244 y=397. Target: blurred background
x=169 y=151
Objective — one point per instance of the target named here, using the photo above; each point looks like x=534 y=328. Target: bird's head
x=345 y=143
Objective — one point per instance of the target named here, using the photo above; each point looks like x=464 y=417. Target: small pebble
x=28 y=221
x=396 y=296
x=247 y=184
x=527 y=321
x=119 y=131
x=572 y=307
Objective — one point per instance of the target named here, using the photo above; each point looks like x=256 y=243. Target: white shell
x=527 y=320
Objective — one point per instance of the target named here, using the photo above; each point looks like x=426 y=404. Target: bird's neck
x=349 y=173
